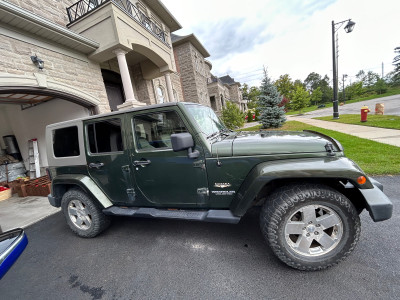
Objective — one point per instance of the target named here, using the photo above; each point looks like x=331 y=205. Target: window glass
x=65 y=142
x=105 y=136
x=154 y=131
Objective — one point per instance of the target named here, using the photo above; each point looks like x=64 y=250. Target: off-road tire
x=99 y=221
x=286 y=201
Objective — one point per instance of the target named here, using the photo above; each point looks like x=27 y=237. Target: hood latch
x=329 y=148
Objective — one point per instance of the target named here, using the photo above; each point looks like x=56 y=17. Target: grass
x=373 y=157
x=391 y=92
x=392 y=122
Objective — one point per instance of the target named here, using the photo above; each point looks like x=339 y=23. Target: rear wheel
x=310 y=227
x=83 y=215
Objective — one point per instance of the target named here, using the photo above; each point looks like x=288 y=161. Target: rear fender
x=296 y=169
x=62 y=182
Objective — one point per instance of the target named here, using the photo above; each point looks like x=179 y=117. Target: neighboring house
x=67 y=59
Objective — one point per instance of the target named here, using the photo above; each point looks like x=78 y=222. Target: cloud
x=231 y=36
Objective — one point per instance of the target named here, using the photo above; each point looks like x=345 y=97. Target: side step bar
x=219 y=216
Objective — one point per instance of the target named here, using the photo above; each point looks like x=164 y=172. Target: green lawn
x=373 y=157
x=387 y=121
x=393 y=91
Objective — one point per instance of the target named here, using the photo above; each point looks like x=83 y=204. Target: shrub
x=232 y=116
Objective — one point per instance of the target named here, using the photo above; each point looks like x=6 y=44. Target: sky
x=291 y=37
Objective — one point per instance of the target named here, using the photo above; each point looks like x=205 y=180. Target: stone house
x=68 y=59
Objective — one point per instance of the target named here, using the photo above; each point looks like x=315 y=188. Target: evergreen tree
x=271 y=115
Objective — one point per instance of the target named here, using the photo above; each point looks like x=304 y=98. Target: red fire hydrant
x=364 y=113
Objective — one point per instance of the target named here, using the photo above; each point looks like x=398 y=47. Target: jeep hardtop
x=179 y=161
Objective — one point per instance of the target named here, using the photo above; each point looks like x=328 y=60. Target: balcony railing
x=84 y=7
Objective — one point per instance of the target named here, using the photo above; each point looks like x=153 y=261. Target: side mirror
x=12 y=244
x=183 y=141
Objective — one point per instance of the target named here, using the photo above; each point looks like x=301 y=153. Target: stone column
x=169 y=87
x=130 y=101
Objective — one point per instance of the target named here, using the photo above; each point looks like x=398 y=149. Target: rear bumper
x=378 y=204
x=54 y=201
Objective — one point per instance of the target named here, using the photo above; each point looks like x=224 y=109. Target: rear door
x=108 y=158
x=163 y=177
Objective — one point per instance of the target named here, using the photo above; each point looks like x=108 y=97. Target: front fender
x=322 y=167
x=84 y=182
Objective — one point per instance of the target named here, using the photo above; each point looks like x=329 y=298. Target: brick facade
x=55 y=11
x=80 y=74
x=193 y=72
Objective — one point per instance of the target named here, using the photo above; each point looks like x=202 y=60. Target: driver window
x=153 y=131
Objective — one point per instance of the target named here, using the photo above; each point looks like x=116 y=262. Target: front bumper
x=378 y=204
x=54 y=201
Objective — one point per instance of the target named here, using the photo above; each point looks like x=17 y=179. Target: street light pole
x=335 y=94
x=344 y=94
x=348 y=28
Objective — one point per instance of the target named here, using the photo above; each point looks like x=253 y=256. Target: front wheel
x=310 y=227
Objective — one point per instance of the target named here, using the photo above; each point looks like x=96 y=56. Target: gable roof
x=228 y=80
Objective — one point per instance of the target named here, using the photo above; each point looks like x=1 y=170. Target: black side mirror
x=12 y=244
x=183 y=141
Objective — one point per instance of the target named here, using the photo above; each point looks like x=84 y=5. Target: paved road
x=163 y=259
x=392 y=107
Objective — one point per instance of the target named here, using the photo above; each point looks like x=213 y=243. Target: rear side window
x=65 y=142
x=105 y=136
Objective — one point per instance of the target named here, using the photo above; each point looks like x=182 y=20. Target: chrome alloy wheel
x=79 y=215
x=313 y=230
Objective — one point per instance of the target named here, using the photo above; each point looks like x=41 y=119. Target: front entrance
x=114 y=89
x=164 y=177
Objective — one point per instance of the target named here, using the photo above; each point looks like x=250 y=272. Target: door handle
x=141 y=163
x=96 y=165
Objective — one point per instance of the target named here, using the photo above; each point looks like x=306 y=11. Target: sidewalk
x=381 y=135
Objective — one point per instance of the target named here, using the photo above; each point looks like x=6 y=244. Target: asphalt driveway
x=165 y=259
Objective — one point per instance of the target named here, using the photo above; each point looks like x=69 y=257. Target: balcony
x=84 y=7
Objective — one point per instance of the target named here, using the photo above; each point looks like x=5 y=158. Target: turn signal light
x=361 y=180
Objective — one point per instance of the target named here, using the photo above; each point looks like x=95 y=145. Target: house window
x=65 y=142
x=160 y=94
x=105 y=136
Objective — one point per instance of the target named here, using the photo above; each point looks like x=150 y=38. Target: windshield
x=206 y=118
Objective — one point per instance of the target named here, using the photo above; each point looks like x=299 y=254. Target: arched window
x=160 y=94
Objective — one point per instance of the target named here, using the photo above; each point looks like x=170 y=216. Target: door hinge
x=203 y=191
x=131 y=194
x=126 y=168
x=199 y=164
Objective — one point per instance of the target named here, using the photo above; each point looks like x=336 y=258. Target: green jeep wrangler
x=179 y=161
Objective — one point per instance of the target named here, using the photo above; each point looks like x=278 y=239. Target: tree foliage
x=316 y=96
x=396 y=63
x=300 y=99
x=232 y=116
x=285 y=85
x=251 y=94
x=271 y=115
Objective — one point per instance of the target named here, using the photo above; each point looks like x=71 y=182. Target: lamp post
x=335 y=27
x=344 y=94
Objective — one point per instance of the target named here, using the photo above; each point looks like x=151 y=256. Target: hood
x=272 y=142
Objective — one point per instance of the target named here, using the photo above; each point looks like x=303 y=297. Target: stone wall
x=83 y=75
x=193 y=74
x=55 y=11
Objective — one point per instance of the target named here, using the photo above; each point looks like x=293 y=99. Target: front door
x=108 y=158
x=165 y=178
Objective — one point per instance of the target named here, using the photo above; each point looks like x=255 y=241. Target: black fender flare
x=305 y=168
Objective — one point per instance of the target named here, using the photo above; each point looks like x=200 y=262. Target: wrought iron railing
x=84 y=7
